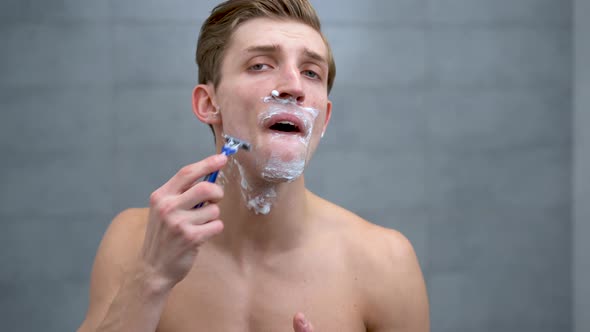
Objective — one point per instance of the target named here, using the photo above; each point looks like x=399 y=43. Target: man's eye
x=311 y=74
x=258 y=66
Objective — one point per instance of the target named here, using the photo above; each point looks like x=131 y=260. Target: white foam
x=258 y=200
x=276 y=168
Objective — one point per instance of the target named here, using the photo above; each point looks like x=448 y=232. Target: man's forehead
x=272 y=35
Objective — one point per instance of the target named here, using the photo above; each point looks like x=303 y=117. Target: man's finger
x=301 y=324
x=189 y=174
x=202 y=233
x=200 y=192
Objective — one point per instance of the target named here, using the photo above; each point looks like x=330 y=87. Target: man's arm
x=118 y=285
x=143 y=255
x=403 y=303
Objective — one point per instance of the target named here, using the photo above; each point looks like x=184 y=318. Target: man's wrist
x=150 y=282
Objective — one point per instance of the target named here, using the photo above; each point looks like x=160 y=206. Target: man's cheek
x=238 y=128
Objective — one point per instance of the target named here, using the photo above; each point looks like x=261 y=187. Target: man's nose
x=290 y=84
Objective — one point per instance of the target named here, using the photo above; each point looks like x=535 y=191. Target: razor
x=232 y=145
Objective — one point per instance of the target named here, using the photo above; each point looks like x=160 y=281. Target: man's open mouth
x=285 y=126
x=286 y=123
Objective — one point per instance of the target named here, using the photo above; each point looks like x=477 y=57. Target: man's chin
x=278 y=171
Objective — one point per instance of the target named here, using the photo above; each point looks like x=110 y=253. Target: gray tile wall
x=581 y=180
x=452 y=121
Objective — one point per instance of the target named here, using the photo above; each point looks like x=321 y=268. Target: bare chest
x=216 y=298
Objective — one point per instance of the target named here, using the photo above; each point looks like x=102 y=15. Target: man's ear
x=204 y=105
x=328 y=115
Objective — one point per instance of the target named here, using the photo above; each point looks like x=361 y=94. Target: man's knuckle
x=155 y=197
x=175 y=225
x=186 y=171
x=165 y=208
x=215 y=211
x=204 y=189
x=218 y=191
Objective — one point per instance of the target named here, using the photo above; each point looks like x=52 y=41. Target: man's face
x=291 y=58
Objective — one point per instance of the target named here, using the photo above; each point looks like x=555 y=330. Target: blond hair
x=225 y=17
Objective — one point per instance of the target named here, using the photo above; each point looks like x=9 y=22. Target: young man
x=263 y=253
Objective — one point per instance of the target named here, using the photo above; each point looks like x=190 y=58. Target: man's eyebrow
x=276 y=48
x=315 y=56
x=263 y=49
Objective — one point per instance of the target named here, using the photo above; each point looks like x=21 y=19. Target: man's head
x=217 y=31
x=247 y=49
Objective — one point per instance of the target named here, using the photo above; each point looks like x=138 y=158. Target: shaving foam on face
x=280 y=165
x=276 y=168
x=221 y=179
x=274 y=164
x=256 y=199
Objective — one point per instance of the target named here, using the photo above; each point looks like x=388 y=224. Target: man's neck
x=263 y=219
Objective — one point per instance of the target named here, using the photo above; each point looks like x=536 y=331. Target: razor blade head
x=236 y=142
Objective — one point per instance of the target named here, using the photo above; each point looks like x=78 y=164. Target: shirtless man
x=264 y=253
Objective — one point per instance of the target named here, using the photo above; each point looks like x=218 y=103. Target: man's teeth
x=285 y=126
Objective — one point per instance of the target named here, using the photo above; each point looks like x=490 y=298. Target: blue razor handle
x=231 y=146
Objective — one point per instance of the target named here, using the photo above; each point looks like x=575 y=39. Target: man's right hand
x=175 y=229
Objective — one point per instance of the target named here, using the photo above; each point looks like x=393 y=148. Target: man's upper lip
x=288 y=117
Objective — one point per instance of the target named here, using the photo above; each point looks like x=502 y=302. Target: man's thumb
x=300 y=324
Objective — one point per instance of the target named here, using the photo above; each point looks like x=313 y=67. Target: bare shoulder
x=364 y=237
x=390 y=281
x=120 y=244
x=130 y=225
x=116 y=253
